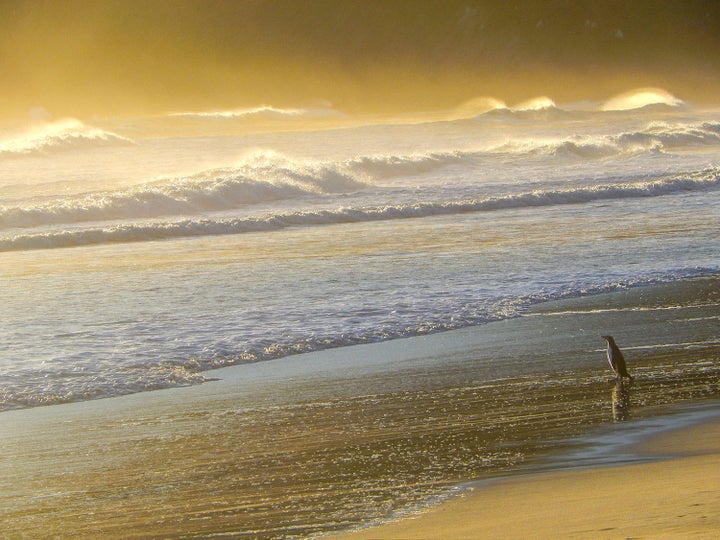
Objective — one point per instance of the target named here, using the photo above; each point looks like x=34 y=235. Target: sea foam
x=267 y=176
x=656 y=137
x=260 y=178
x=136 y=232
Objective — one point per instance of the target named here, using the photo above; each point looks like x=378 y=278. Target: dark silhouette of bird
x=616 y=359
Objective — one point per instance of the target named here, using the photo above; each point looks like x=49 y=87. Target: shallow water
x=328 y=441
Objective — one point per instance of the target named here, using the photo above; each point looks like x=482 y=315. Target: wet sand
x=333 y=440
x=677 y=497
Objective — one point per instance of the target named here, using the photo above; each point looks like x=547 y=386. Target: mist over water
x=268 y=58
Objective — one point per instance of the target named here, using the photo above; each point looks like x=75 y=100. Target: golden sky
x=120 y=57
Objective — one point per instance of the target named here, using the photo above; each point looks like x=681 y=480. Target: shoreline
x=666 y=485
x=323 y=442
x=443 y=337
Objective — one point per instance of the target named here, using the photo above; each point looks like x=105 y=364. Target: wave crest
x=263 y=112
x=379 y=167
x=477 y=106
x=267 y=176
x=489 y=106
x=262 y=177
x=698 y=181
x=641 y=97
x=68 y=134
x=657 y=136
x=535 y=104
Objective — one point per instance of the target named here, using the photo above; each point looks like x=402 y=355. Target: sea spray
x=60 y=136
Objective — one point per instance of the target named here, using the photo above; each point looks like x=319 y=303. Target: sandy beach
x=335 y=440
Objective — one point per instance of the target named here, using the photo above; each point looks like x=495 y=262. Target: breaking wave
x=639 y=98
x=536 y=104
x=541 y=107
x=656 y=137
x=382 y=167
x=63 y=135
x=673 y=136
x=264 y=112
x=699 y=181
x=262 y=177
x=267 y=176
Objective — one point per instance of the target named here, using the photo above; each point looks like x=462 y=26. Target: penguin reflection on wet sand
x=616 y=359
x=621 y=401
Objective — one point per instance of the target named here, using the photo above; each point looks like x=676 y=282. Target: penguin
x=616 y=359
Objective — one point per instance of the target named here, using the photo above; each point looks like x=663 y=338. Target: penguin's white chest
x=610 y=357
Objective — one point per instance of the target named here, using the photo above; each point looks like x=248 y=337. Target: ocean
x=139 y=253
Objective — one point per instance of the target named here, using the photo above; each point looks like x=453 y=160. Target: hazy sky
x=103 y=57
